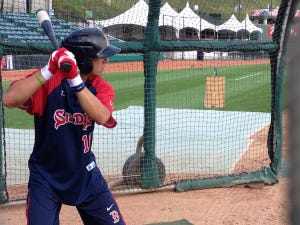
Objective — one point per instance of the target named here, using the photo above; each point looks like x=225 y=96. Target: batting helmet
x=87 y=44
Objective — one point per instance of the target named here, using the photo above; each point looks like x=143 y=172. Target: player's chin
x=98 y=72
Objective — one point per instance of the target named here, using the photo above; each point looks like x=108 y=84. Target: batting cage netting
x=199 y=89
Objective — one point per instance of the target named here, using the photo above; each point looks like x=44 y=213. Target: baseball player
x=66 y=106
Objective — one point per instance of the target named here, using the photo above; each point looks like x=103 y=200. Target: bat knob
x=66 y=67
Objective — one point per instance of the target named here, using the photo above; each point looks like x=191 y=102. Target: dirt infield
x=162 y=65
x=228 y=206
x=231 y=206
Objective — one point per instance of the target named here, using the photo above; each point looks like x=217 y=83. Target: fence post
x=150 y=175
x=3 y=193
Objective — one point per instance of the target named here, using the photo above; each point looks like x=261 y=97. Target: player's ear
x=85 y=66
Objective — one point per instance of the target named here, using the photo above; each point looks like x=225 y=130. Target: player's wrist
x=76 y=83
x=45 y=73
x=40 y=78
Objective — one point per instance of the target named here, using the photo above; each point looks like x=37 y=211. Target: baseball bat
x=46 y=24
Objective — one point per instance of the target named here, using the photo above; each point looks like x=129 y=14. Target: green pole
x=2 y=176
x=150 y=175
x=281 y=36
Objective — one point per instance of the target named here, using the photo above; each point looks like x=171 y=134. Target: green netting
x=3 y=189
x=199 y=90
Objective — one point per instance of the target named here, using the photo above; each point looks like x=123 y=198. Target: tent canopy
x=167 y=16
x=231 y=24
x=187 y=18
x=136 y=15
x=249 y=26
x=234 y=25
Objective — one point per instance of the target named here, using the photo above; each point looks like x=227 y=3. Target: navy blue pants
x=43 y=207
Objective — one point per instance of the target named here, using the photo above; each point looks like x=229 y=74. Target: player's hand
x=52 y=66
x=69 y=58
x=52 y=63
x=72 y=74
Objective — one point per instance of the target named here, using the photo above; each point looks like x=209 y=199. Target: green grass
x=185 y=89
x=248 y=88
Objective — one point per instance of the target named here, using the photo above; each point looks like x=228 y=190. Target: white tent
x=249 y=26
x=188 y=18
x=136 y=15
x=231 y=24
x=168 y=16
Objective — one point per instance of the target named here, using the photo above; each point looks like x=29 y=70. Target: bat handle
x=66 y=67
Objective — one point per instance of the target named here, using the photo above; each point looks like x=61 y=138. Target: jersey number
x=86 y=143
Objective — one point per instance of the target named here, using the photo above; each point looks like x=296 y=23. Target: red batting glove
x=68 y=57
x=54 y=59
x=72 y=75
x=52 y=66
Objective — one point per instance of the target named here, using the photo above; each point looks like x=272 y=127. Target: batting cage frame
x=145 y=171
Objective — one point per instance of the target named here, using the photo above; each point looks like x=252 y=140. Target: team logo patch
x=115 y=216
x=61 y=118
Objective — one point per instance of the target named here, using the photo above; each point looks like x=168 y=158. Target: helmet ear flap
x=85 y=67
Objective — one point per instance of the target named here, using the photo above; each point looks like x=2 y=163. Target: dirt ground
x=229 y=206
x=138 y=66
